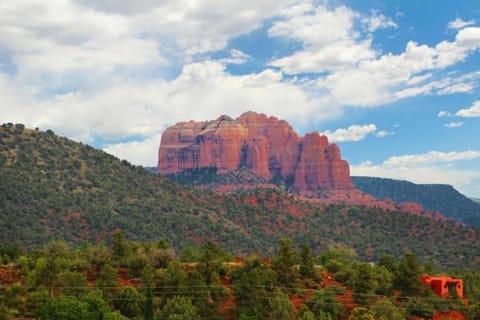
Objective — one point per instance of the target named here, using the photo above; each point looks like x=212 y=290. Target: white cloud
x=383 y=134
x=204 y=25
x=378 y=21
x=352 y=133
x=101 y=37
x=236 y=57
x=431 y=167
x=453 y=125
x=472 y=112
x=351 y=72
x=460 y=24
x=419 y=79
x=126 y=109
x=59 y=36
x=328 y=37
x=88 y=68
x=444 y=114
x=144 y=152
x=431 y=157
x=457 y=88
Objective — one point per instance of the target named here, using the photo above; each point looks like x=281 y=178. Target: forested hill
x=437 y=197
x=55 y=188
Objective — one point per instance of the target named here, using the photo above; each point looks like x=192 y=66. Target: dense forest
x=52 y=188
x=436 y=197
x=151 y=280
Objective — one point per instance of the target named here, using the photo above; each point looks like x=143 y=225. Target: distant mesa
x=267 y=146
x=255 y=151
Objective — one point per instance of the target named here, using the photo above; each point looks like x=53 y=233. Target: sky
x=394 y=83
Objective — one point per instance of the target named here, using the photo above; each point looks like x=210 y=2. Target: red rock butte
x=266 y=145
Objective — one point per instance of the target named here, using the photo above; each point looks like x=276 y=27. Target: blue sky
x=394 y=83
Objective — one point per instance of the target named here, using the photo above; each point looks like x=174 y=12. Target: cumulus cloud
x=117 y=69
x=430 y=167
x=127 y=109
x=444 y=114
x=327 y=35
x=472 y=112
x=352 y=72
x=352 y=133
x=79 y=39
x=453 y=125
x=143 y=152
x=460 y=24
x=107 y=36
x=203 y=26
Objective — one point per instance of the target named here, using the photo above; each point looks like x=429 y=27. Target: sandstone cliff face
x=266 y=145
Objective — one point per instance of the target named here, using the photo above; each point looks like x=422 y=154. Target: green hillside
x=439 y=197
x=54 y=188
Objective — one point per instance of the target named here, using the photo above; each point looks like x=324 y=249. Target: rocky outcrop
x=266 y=145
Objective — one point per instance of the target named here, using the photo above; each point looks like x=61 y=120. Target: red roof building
x=444 y=285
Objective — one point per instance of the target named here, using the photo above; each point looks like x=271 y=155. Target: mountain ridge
x=439 y=197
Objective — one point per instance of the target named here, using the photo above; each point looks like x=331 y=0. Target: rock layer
x=266 y=145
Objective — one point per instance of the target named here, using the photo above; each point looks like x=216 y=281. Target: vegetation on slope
x=150 y=280
x=53 y=188
x=209 y=178
x=436 y=197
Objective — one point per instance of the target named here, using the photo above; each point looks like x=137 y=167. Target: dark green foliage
x=420 y=308
x=148 y=306
x=51 y=188
x=280 y=307
x=473 y=311
x=63 y=307
x=98 y=309
x=179 y=308
x=209 y=177
x=389 y=263
x=90 y=307
x=387 y=310
x=435 y=197
x=10 y=301
x=407 y=278
x=306 y=315
x=210 y=262
x=120 y=249
x=108 y=282
x=173 y=280
x=9 y=253
x=253 y=285
x=283 y=264
x=72 y=283
x=97 y=257
x=194 y=290
x=130 y=303
x=364 y=283
x=54 y=188
x=324 y=303
x=361 y=313
x=307 y=265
